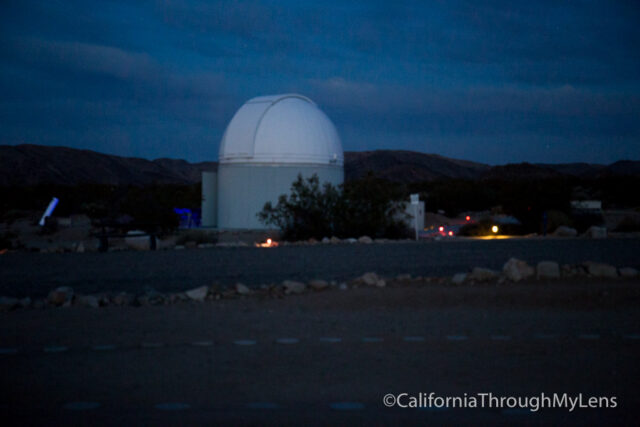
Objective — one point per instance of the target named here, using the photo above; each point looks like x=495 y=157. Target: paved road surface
x=327 y=358
x=34 y=274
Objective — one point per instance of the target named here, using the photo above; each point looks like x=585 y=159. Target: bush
x=628 y=224
x=371 y=207
x=583 y=221
x=307 y=212
x=556 y=219
x=6 y=240
x=364 y=207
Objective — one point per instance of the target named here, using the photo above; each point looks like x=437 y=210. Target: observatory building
x=268 y=143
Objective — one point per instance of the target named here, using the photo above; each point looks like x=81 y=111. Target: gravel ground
x=182 y=364
x=34 y=274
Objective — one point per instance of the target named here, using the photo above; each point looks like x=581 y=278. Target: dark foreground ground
x=187 y=364
x=34 y=274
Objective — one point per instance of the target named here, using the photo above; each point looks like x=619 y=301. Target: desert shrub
x=556 y=219
x=369 y=206
x=307 y=212
x=363 y=207
x=628 y=224
x=582 y=221
x=50 y=226
x=6 y=240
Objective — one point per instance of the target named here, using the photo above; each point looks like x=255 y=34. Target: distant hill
x=585 y=170
x=409 y=166
x=522 y=171
x=37 y=164
x=622 y=167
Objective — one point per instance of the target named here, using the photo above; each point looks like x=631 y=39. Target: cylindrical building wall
x=243 y=189
x=209 y=199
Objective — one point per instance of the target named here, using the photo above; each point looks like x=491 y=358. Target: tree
x=363 y=207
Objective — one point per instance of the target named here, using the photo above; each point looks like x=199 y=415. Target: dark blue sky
x=490 y=81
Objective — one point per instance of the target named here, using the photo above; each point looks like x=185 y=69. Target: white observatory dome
x=269 y=143
x=281 y=129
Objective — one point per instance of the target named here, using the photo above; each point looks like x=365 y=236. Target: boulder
x=369 y=278
x=564 y=231
x=60 y=296
x=365 y=239
x=597 y=269
x=372 y=279
x=87 y=301
x=242 y=289
x=326 y=240
x=516 y=270
x=178 y=297
x=628 y=272
x=459 y=278
x=166 y=243
x=568 y=270
x=403 y=277
x=139 y=243
x=8 y=303
x=104 y=298
x=335 y=240
x=351 y=240
x=318 y=285
x=293 y=287
x=343 y=286
x=480 y=274
x=123 y=298
x=596 y=232
x=198 y=294
x=80 y=247
x=151 y=297
x=548 y=270
x=24 y=302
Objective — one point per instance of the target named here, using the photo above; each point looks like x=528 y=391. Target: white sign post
x=415 y=200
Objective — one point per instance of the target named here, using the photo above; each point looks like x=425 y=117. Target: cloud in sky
x=492 y=81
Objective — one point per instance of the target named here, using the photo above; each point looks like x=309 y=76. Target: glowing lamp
x=267 y=244
x=441 y=229
x=468 y=218
x=494 y=228
x=451 y=233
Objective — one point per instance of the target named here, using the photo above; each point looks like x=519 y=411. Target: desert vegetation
x=367 y=206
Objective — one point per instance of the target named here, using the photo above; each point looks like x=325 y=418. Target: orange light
x=441 y=229
x=268 y=244
x=468 y=218
x=451 y=233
